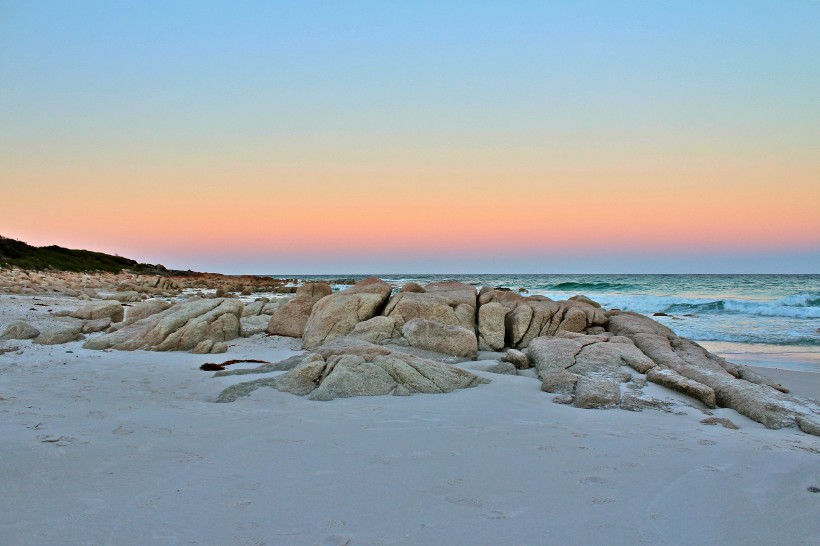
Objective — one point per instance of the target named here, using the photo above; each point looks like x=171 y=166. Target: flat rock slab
x=361 y=369
x=99 y=310
x=597 y=393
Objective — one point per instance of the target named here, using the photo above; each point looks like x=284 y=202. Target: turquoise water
x=769 y=313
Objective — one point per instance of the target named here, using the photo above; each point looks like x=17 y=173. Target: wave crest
x=805 y=306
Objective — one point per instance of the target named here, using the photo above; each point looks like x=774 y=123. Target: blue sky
x=676 y=128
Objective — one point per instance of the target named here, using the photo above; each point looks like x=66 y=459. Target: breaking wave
x=806 y=306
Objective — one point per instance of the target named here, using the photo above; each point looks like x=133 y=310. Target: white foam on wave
x=795 y=306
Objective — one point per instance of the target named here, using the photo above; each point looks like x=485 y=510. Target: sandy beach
x=409 y=273
x=806 y=384
x=115 y=447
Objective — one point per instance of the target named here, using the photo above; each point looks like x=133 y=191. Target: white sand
x=805 y=384
x=128 y=448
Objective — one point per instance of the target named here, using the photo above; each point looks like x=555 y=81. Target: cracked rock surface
x=187 y=326
x=336 y=315
x=349 y=368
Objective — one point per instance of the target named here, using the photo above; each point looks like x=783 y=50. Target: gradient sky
x=356 y=137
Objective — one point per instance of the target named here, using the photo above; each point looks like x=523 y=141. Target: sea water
x=776 y=317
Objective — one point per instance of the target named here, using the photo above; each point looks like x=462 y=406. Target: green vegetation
x=19 y=254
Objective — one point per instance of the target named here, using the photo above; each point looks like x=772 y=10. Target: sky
x=406 y=137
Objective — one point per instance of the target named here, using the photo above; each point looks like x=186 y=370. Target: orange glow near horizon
x=436 y=135
x=418 y=211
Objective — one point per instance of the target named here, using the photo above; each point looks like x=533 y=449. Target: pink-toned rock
x=291 y=318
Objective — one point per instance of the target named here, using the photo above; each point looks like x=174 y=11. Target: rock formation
x=538 y=316
x=580 y=351
x=441 y=338
x=197 y=325
x=62 y=333
x=491 y=317
x=336 y=315
x=688 y=367
x=19 y=330
x=291 y=318
x=366 y=342
x=145 y=309
x=100 y=309
x=350 y=368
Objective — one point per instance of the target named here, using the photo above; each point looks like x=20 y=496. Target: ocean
x=771 y=320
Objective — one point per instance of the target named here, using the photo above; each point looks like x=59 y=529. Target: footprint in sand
x=58 y=440
x=334 y=540
x=586 y=480
x=445 y=485
x=255 y=541
x=706 y=442
x=602 y=500
x=466 y=502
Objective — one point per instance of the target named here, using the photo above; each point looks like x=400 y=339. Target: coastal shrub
x=14 y=253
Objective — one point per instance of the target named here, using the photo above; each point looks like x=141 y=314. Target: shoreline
x=801 y=383
x=778 y=357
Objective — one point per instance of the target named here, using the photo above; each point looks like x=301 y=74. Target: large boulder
x=379 y=330
x=100 y=309
x=441 y=338
x=291 y=318
x=761 y=402
x=62 y=333
x=360 y=369
x=271 y=307
x=411 y=287
x=253 y=325
x=19 y=330
x=559 y=381
x=182 y=327
x=518 y=358
x=506 y=298
x=336 y=315
x=451 y=303
x=538 y=316
x=491 y=326
x=125 y=297
x=144 y=309
x=253 y=309
x=96 y=325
